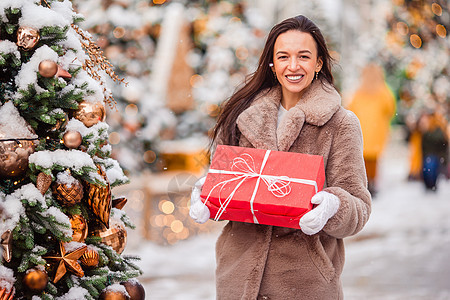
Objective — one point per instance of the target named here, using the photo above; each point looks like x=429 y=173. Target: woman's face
x=295 y=61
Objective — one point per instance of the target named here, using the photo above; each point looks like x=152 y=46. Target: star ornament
x=68 y=262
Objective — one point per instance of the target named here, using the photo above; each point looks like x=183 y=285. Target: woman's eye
x=282 y=57
x=304 y=57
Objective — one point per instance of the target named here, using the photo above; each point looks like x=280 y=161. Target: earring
x=270 y=64
x=317 y=75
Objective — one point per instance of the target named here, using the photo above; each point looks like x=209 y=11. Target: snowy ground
x=402 y=253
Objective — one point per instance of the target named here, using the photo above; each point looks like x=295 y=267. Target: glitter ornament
x=27 y=38
x=48 y=68
x=35 y=280
x=72 y=139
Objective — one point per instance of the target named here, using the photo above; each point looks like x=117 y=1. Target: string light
x=131 y=110
x=196 y=80
x=149 y=156
x=402 y=28
x=441 y=31
x=415 y=40
x=436 y=9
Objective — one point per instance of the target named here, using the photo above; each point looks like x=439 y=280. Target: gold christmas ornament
x=68 y=194
x=114 y=236
x=35 y=280
x=43 y=182
x=27 y=37
x=7 y=245
x=113 y=295
x=48 y=68
x=72 y=139
x=5 y=294
x=134 y=289
x=14 y=155
x=99 y=198
x=79 y=228
x=90 y=258
x=67 y=262
x=90 y=113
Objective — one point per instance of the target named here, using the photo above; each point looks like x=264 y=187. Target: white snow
x=74 y=293
x=117 y=288
x=38 y=17
x=9 y=47
x=65 y=178
x=72 y=246
x=73 y=159
x=6 y=278
x=12 y=125
x=12 y=206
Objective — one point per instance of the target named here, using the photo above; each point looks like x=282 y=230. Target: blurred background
x=182 y=59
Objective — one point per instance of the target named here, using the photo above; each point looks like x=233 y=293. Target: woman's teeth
x=294 y=77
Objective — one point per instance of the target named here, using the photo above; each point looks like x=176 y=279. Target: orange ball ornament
x=113 y=295
x=35 y=280
x=72 y=139
x=134 y=289
x=90 y=258
x=48 y=68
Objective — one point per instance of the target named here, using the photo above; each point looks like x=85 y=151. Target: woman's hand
x=313 y=221
x=198 y=210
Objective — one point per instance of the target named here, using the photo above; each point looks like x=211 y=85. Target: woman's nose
x=293 y=63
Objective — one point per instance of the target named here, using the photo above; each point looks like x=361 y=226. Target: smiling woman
x=295 y=63
x=290 y=104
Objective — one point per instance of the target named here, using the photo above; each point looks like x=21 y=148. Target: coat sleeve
x=346 y=178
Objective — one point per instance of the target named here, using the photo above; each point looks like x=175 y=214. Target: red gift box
x=262 y=186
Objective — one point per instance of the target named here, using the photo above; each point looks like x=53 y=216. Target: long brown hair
x=263 y=77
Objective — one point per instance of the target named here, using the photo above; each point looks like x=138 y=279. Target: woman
x=290 y=104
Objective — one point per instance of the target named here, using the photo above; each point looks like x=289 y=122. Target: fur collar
x=258 y=123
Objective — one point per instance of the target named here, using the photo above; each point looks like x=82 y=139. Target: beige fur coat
x=269 y=262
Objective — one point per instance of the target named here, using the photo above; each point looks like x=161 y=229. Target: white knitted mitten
x=313 y=221
x=198 y=210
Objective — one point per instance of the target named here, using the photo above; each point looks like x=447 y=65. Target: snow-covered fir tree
x=62 y=230
x=418 y=63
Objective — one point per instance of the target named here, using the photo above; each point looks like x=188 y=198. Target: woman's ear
x=319 y=64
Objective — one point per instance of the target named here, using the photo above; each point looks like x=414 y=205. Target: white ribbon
x=279 y=186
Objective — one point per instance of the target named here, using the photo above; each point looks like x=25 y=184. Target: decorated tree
x=417 y=60
x=62 y=230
